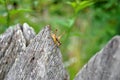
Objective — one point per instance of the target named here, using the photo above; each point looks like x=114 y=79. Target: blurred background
x=88 y=24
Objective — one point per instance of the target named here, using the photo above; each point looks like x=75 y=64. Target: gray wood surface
x=27 y=56
x=105 y=65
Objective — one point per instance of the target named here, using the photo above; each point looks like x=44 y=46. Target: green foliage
x=79 y=5
x=88 y=24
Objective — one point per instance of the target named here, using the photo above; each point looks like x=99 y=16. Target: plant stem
x=8 y=14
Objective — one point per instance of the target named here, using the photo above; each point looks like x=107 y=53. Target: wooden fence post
x=27 y=56
x=104 y=65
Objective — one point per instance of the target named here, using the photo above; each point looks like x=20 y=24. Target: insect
x=56 y=38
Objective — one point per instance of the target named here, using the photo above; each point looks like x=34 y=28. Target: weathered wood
x=12 y=43
x=104 y=65
x=26 y=56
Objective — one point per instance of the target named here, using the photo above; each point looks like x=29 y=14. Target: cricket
x=56 y=38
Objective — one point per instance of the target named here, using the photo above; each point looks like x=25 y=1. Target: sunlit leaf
x=80 y=5
x=71 y=22
x=73 y=4
x=83 y=4
x=2 y=1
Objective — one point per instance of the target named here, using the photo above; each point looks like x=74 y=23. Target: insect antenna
x=61 y=35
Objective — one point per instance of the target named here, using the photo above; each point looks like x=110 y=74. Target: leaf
x=12 y=12
x=73 y=4
x=82 y=5
x=77 y=34
x=2 y=12
x=71 y=22
x=2 y=1
x=2 y=20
